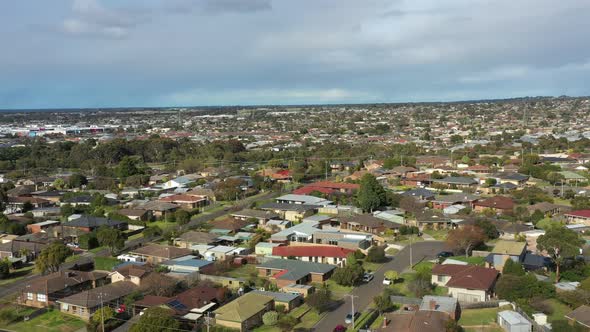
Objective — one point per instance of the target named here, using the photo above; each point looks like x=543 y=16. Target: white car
x=367 y=277
x=387 y=281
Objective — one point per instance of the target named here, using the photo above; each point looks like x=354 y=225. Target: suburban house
x=516 y=179
x=85 y=303
x=16 y=251
x=328 y=187
x=45 y=290
x=548 y=209
x=155 y=253
x=314 y=253
x=497 y=204
x=443 y=201
x=580 y=315
x=245 y=312
x=302 y=199
x=459 y=182
x=136 y=214
x=130 y=272
x=158 y=208
x=352 y=241
x=467 y=283
x=367 y=223
x=286 y=272
x=289 y=300
x=415 y=321
x=248 y=214
x=504 y=250
x=191 y=238
x=420 y=194
x=228 y=226
x=88 y=223
x=432 y=219
x=512 y=321
x=42 y=226
x=186 y=201
x=578 y=217
x=448 y=305
x=196 y=299
x=188 y=265
x=291 y=212
x=179 y=182
x=395 y=216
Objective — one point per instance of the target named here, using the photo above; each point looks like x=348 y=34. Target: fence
x=480 y=305
x=480 y=253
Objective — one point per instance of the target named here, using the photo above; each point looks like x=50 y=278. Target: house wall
x=79 y=311
x=440 y=280
x=469 y=295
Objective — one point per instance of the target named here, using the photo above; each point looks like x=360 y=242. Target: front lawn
x=437 y=234
x=51 y=321
x=309 y=320
x=18 y=274
x=105 y=263
x=338 y=291
x=371 y=267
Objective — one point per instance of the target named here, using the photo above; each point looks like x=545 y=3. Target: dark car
x=348 y=319
x=444 y=254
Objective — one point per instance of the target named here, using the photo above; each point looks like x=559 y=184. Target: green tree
x=27 y=206
x=110 y=237
x=351 y=259
x=52 y=256
x=371 y=194
x=270 y=318
x=320 y=300
x=103 y=314
x=383 y=302
x=4 y=268
x=128 y=166
x=77 y=180
x=560 y=243
x=514 y=268
x=349 y=275
x=59 y=183
x=182 y=217
x=67 y=210
x=156 y=319
x=88 y=241
x=391 y=275
x=376 y=254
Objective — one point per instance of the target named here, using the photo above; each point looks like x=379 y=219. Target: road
x=364 y=294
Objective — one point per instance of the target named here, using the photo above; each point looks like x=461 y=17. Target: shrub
x=376 y=254
x=270 y=318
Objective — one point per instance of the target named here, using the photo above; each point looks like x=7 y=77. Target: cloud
x=237 y=6
x=265 y=96
x=91 y=18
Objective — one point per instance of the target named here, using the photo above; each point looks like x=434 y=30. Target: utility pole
x=411 y=252
x=352 y=302
x=326 y=167
x=101 y=312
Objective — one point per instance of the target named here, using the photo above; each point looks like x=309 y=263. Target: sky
x=119 y=53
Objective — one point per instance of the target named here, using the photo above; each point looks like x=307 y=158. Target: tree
x=320 y=300
x=391 y=275
x=287 y=323
x=383 y=302
x=158 y=284
x=270 y=318
x=351 y=259
x=59 y=183
x=349 y=275
x=182 y=217
x=156 y=319
x=371 y=194
x=110 y=237
x=77 y=180
x=103 y=314
x=88 y=241
x=560 y=243
x=451 y=325
x=52 y=256
x=512 y=287
x=27 y=206
x=466 y=238
x=490 y=182
x=376 y=254
x=410 y=204
x=512 y=267
x=4 y=268
x=537 y=216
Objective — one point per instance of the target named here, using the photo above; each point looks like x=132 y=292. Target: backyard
x=105 y=263
x=478 y=317
x=50 y=321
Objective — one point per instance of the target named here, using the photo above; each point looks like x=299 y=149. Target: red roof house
x=498 y=204
x=312 y=253
x=578 y=216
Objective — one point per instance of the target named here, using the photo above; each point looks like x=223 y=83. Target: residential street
x=365 y=292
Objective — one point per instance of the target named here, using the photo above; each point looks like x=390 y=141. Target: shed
x=512 y=321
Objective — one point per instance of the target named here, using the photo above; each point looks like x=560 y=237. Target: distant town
x=411 y=217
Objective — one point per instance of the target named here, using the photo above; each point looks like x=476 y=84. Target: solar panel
x=176 y=305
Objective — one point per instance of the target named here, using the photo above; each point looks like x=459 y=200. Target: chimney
x=384 y=322
x=432 y=305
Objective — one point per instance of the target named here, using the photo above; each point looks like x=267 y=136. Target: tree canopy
x=560 y=243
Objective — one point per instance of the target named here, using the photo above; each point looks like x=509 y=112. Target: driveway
x=365 y=293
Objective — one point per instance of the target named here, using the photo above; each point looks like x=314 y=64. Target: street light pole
x=352 y=302
x=411 y=252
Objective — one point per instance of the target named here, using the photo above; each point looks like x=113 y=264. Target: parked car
x=367 y=277
x=348 y=319
x=444 y=254
x=387 y=281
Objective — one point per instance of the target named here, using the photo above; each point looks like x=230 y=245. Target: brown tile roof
x=419 y=321
x=198 y=237
x=369 y=221
x=581 y=315
x=134 y=270
x=152 y=301
x=132 y=212
x=467 y=276
x=168 y=252
x=229 y=224
x=60 y=280
x=92 y=298
x=497 y=202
